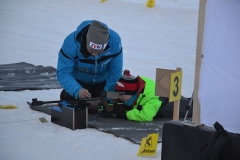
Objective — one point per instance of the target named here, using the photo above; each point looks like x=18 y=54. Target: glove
x=119 y=111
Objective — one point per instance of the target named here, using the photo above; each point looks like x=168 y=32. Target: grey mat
x=130 y=130
x=23 y=76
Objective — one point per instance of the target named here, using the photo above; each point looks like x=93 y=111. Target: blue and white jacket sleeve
x=66 y=65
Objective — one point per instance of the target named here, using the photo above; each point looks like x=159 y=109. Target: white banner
x=219 y=86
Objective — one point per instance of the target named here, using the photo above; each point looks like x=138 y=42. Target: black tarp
x=25 y=76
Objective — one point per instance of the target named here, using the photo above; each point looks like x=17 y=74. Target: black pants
x=166 y=109
x=95 y=90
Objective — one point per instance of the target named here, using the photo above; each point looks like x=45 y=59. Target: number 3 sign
x=169 y=84
x=175 y=86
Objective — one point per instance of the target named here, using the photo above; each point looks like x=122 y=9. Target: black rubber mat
x=25 y=76
x=130 y=130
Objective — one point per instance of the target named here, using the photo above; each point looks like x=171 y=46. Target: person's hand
x=84 y=94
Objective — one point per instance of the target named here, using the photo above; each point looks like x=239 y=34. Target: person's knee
x=65 y=96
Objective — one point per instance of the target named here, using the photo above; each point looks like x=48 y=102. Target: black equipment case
x=183 y=140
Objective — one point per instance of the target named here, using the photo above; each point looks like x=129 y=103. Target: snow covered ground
x=33 y=32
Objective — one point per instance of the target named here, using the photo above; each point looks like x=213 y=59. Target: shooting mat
x=23 y=76
x=130 y=130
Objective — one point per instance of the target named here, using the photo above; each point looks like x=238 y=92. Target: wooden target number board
x=169 y=84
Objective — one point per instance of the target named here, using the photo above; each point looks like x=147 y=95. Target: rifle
x=81 y=102
x=102 y=100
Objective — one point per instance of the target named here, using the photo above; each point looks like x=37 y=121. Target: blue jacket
x=74 y=62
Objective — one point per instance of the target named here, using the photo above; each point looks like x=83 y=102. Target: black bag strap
x=216 y=142
x=219 y=145
x=219 y=127
x=211 y=143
